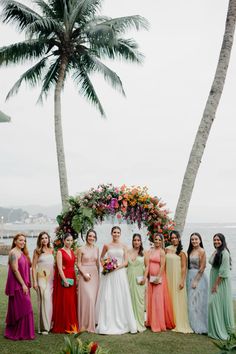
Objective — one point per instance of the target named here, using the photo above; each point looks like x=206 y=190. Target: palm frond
x=81 y=78
x=88 y=9
x=32 y=76
x=45 y=8
x=126 y=49
x=44 y=26
x=18 y=14
x=19 y=52
x=122 y=24
x=49 y=79
x=92 y=64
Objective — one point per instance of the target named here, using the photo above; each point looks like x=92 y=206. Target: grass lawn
x=142 y=343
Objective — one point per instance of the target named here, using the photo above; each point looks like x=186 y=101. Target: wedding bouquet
x=109 y=264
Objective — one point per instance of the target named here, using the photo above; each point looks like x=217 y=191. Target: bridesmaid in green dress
x=220 y=310
x=137 y=279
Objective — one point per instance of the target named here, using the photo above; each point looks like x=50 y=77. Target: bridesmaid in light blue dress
x=197 y=285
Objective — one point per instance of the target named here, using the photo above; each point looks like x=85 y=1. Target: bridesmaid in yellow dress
x=43 y=274
x=176 y=267
x=88 y=265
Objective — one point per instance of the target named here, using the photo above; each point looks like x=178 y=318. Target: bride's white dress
x=114 y=312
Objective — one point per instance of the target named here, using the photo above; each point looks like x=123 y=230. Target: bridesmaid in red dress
x=64 y=296
x=159 y=308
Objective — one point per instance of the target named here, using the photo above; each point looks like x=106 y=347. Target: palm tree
x=4 y=118
x=66 y=37
x=207 y=119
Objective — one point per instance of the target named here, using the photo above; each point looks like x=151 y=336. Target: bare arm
x=104 y=251
x=202 y=266
x=183 y=269
x=60 y=270
x=34 y=265
x=79 y=264
x=146 y=265
x=13 y=262
x=125 y=263
x=98 y=264
x=163 y=262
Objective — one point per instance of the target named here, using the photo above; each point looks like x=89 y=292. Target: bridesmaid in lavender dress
x=19 y=320
x=43 y=274
x=88 y=265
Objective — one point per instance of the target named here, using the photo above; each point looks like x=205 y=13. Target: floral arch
x=132 y=204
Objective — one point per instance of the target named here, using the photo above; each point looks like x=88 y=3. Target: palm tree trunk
x=207 y=119
x=59 y=135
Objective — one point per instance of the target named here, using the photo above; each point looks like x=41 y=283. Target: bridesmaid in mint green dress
x=137 y=280
x=220 y=310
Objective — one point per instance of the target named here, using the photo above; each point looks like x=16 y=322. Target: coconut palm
x=207 y=119
x=4 y=118
x=67 y=38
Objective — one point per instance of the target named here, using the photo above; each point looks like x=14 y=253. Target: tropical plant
x=207 y=119
x=4 y=118
x=66 y=37
x=74 y=345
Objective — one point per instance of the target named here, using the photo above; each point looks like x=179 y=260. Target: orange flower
x=74 y=329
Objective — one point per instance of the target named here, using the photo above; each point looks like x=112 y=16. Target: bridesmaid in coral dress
x=88 y=265
x=159 y=307
x=64 y=295
x=20 y=319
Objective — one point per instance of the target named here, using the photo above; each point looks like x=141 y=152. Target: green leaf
x=77 y=223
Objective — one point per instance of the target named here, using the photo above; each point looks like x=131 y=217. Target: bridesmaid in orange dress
x=64 y=295
x=88 y=265
x=159 y=308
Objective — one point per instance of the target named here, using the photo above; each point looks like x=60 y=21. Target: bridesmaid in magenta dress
x=159 y=308
x=19 y=320
x=88 y=265
x=64 y=294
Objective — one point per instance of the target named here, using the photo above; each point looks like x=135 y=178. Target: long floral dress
x=45 y=275
x=220 y=308
x=136 y=269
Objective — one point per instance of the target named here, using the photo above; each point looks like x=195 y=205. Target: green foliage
x=66 y=37
x=73 y=345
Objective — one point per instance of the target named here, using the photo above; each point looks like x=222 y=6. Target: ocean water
x=207 y=231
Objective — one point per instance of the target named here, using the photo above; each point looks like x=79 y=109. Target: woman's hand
x=66 y=284
x=142 y=282
x=25 y=289
x=35 y=286
x=181 y=285
x=214 y=289
x=194 y=284
x=87 y=277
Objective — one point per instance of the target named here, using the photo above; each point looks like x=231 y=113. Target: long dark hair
x=180 y=246
x=39 y=248
x=218 y=256
x=140 y=252
x=190 y=247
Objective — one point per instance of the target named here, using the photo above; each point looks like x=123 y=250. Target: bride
x=114 y=310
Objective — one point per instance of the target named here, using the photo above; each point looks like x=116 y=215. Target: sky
x=147 y=137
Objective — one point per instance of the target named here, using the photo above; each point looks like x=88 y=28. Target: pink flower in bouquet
x=109 y=264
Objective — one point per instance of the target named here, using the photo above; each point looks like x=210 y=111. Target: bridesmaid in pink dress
x=88 y=265
x=20 y=319
x=159 y=308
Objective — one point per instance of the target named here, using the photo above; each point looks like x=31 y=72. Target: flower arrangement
x=133 y=204
x=109 y=264
x=74 y=345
